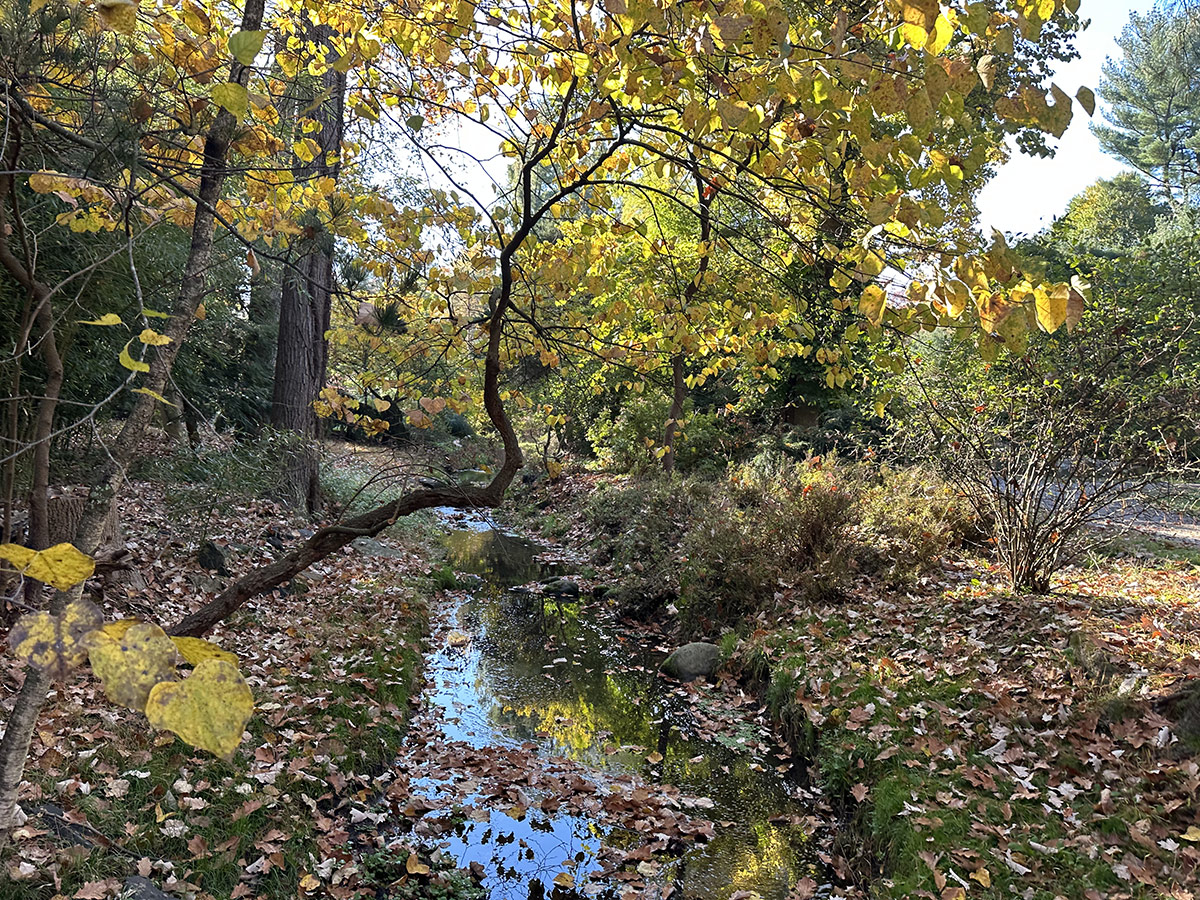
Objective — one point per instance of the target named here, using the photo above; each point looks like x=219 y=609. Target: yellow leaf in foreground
x=196 y=650
x=982 y=876
x=118 y=628
x=1192 y=834
x=208 y=709
x=52 y=643
x=153 y=338
x=872 y=302
x=60 y=566
x=131 y=665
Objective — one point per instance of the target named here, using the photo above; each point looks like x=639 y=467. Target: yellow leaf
x=939 y=37
x=306 y=150
x=131 y=665
x=60 y=566
x=201 y=313
x=117 y=629
x=118 y=15
x=1192 y=834
x=231 y=96
x=133 y=365
x=106 y=319
x=197 y=650
x=155 y=394
x=1052 y=307
x=55 y=644
x=153 y=338
x=208 y=709
x=155 y=313
x=415 y=866
x=872 y=303
x=565 y=880
x=982 y=876
x=310 y=883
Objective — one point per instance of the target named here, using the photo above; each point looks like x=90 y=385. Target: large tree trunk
x=301 y=351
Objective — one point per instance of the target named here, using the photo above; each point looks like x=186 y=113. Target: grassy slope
x=981 y=743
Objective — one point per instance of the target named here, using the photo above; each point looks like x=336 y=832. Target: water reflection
x=574 y=682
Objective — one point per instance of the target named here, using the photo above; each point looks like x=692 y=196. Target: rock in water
x=692 y=661
x=563 y=588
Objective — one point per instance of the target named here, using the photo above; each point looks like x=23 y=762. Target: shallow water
x=569 y=681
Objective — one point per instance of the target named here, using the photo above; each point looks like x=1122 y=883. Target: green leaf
x=415 y=122
x=245 y=47
x=233 y=97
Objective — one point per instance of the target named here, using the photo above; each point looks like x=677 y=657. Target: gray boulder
x=691 y=661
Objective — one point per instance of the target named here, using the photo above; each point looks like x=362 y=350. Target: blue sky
x=1029 y=192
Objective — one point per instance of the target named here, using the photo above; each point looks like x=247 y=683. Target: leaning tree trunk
x=301 y=352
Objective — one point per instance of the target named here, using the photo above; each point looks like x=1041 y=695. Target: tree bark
x=301 y=356
x=705 y=194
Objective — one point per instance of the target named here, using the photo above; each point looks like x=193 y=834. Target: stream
x=550 y=757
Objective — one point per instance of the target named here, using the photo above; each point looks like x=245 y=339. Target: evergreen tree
x=1153 y=96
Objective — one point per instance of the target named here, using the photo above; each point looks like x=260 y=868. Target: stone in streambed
x=691 y=661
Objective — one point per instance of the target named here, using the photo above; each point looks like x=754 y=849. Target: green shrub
x=777 y=525
x=908 y=518
x=639 y=524
x=625 y=440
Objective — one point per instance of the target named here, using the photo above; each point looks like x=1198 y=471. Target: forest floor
x=332 y=661
x=964 y=742
x=977 y=743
